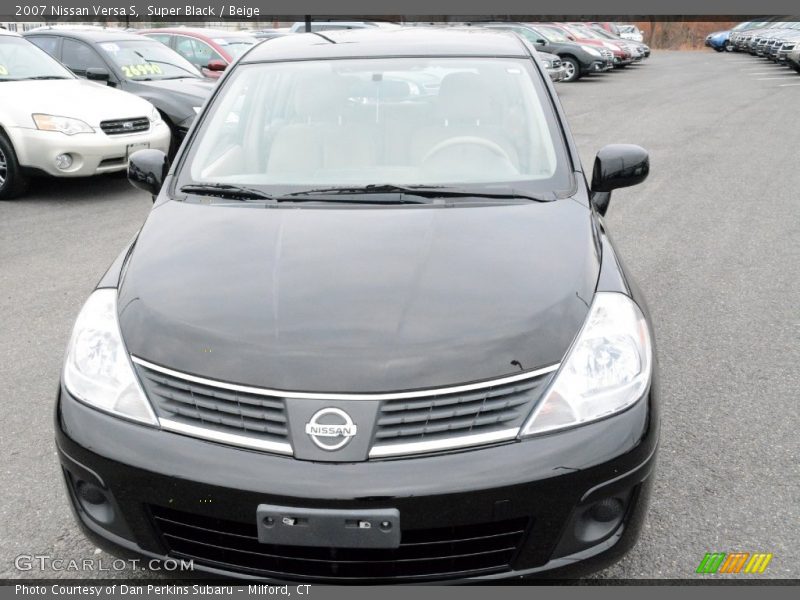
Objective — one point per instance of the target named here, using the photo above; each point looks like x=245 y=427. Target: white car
x=630 y=32
x=53 y=123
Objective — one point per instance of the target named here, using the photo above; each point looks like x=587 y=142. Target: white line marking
x=788 y=84
x=776 y=78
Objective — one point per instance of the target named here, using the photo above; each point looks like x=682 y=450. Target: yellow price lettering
x=3 y=70
x=131 y=71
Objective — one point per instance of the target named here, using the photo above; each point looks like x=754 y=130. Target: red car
x=583 y=35
x=210 y=50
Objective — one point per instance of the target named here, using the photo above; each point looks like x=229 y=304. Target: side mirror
x=216 y=64
x=541 y=42
x=147 y=170
x=617 y=166
x=96 y=74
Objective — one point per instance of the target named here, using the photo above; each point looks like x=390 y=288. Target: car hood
x=358 y=300
x=76 y=98
x=190 y=88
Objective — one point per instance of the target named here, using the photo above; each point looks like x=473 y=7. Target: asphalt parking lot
x=711 y=237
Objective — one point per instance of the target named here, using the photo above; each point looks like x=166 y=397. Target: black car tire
x=12 y=181
x=573 y=69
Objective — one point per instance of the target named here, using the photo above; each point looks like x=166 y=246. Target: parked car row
x=777 y=40
x=145 y=87
x=583 y=48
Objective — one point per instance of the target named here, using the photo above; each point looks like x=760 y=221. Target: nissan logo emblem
x=331 y=429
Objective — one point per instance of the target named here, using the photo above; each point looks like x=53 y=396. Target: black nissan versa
x=373 y=328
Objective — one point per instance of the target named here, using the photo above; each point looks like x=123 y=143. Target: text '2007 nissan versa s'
x=372 y=330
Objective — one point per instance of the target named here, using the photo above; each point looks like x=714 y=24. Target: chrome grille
x=407 y=422
x=556 y=64
x=216 y=408
x=124 y=126
x=476 y=412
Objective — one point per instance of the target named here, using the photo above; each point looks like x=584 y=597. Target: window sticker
x=110 y=47
x=3 y=70
x=142 y=70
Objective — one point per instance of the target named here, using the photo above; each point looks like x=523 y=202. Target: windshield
x=581 y=31
x=236 y=45
x=554 y=34
x=19 y=59
x=145 y=59
x=360 y=122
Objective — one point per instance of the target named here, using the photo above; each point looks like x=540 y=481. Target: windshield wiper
x=238 y=192
x=421 y=191
x=163 y=62
x=224 y=190
x=47 y=77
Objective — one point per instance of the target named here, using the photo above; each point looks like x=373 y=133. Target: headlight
x=607 y=369
x=65 y=125
x=97 y=370
x=612 y=47
x=546 y=63
x=591 y=51
x=154 y=116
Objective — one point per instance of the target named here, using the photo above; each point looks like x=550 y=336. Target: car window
x=20 y=59
x=196 y=52
x=555 y=35
x=160 y=37
x=79 y=57
x=142 y=60
x=48 y=43
x=528 y=34
x=404 y=121
x=236 y=46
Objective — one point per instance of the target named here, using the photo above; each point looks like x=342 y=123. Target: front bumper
x=557 y=74
x=92 y=153
x=600 y=66
x=510 y=510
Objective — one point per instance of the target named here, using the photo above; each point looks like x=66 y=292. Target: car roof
x=373 y=42
x=89 y=35
x=201 y=32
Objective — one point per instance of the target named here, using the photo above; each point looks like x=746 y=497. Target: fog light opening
x=94 y=501
x=90 y=493
x=607 y=510
x=63 y=161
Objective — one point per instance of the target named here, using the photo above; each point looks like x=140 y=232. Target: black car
x=135 y=64
x=372 y=330
x=578 y=59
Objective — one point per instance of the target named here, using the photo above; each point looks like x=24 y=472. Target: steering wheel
x=493 y=147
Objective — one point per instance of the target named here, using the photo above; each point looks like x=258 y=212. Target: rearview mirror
x=216 y=64
x=97 y=74
x=617 y=166
x=147 y=170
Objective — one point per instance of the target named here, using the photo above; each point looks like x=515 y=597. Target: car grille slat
x=124 y=126
x=214 y=408
x=423 y=553
x=438 y=417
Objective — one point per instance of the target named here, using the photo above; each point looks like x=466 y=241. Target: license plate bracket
x=131 y=148
x=322 y=527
